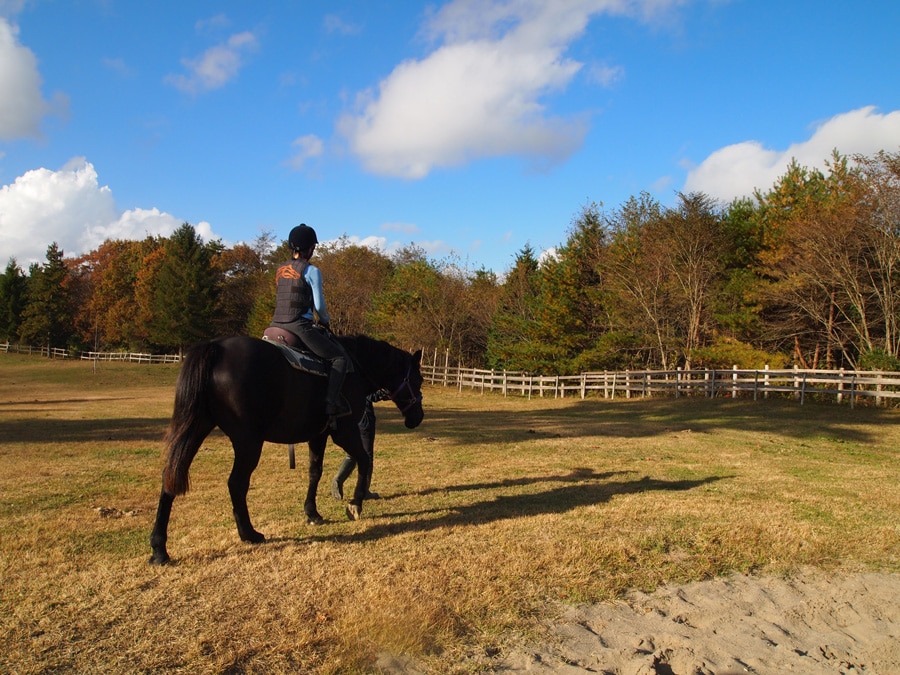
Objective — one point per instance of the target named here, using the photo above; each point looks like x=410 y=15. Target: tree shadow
x=43 y=430
x=645 y=418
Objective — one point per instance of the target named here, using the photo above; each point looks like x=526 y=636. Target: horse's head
x=391 y=370
x=407 y=396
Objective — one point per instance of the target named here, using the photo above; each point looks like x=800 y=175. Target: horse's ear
x=417 y=357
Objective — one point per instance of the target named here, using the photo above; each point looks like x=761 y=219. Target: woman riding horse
x=300 y=309
x=247 y=388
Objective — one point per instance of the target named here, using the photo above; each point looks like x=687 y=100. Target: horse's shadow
x=581 y=488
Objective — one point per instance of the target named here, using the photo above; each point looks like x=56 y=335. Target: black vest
x=293 y=296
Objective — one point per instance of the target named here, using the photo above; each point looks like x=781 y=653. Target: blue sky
x=471 y=128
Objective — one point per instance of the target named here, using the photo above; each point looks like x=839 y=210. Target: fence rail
x=880 y=387
x=844 y=386
x=56 y=353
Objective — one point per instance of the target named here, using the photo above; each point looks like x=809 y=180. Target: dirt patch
x=810 y=623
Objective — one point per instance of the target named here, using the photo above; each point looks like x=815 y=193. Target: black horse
x=247 y=388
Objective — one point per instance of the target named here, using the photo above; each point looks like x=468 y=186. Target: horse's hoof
x=353 y=512
x=254 y=538
x=315 y=520
x=159 y=559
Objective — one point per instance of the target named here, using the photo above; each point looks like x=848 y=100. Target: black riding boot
x=335 y=405
x=344 y=471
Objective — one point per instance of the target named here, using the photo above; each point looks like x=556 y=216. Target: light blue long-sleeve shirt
x=314 y=278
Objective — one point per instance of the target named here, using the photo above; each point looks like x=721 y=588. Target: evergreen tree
x=574 y=296
x=13 y=285
x=183 y=299
x=514 y=337
x=47 y=316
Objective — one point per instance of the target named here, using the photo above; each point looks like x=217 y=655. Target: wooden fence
x=880 y=387
x=841 y=385
x=56 y=353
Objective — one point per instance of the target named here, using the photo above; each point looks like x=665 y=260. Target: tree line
x=807 y=273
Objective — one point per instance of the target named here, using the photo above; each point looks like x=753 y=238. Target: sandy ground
x=810 y=623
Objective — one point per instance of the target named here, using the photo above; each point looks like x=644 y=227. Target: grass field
x=494 y=511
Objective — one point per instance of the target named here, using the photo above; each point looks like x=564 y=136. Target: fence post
x=734 y=381
x=766 y=383
x=796 y=381
x=840 y=394
x=677 y=381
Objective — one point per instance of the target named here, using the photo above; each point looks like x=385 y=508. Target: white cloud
x=335 y=24
x=737 y=170
x=216 y=66
x=403 y=228
x=373 y=242
x=118 y=66
x=212 y=24
x=305 y=148
x=547 y=255
x=479 y=94
x=21 y=103
x=386 y=246
x=605 y=75
x=11 y=7
x=71 y=208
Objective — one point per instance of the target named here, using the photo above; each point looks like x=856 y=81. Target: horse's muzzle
x=414 y=417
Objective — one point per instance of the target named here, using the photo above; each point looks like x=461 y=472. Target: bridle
x=405 y=387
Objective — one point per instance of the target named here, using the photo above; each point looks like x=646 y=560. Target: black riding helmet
x=302 y=238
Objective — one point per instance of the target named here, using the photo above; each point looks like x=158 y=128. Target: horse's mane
x=365 y=348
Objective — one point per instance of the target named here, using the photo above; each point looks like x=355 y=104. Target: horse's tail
x=191 y=421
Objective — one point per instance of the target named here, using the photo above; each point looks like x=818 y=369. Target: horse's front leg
x=352 y=445
x=363 y=480
x=316 y=456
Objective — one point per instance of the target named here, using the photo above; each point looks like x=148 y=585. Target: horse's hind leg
x=246 y=457
x=159 y=535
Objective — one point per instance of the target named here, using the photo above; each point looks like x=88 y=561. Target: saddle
x=293 y=352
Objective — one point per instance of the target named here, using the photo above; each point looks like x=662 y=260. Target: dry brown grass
x=493 y=511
